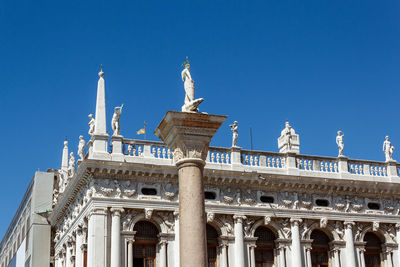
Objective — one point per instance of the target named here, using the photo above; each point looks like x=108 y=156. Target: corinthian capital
x=239 y=218
x=295 y=221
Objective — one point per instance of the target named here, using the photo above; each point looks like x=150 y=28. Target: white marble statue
x=235 y=134
x=289 y=141
x=91 y=124
x=115 y=119
x=388 y=148
x=191 y=103
x=81 y=147
x=339 y=142
x=71 y=165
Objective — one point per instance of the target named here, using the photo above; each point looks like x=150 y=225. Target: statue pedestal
x=188 y=135
x=116 y=141
x=99 y=147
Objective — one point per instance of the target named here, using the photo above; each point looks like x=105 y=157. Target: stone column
x=224 y=252
x=362 y=259
x=387 y=251
x=97 y=238
x=348 y=237
x=116 y=236
x=188 y=135
x=308 y=255
x=176 y=240
x=163 y=250
x=68 y=261
x=78 y=250
x=296 y=245
x=281 y=246
x=130 y=252
x=239 y=240
x=252 y=255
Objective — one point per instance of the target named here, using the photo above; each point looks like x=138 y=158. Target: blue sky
x=322 y=65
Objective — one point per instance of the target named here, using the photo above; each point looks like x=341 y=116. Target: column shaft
x=309 y=257
x=68 y=260
x=296 y=245
x=239 y=241
x=192 y=224
x=78 y=249
x=224 y=256
x=348 y=237
x=130 y=253
x=282 y=257
x=116 y=237
x=336 y=256
x=163 y=254
x=97 y=239
x=252 y=257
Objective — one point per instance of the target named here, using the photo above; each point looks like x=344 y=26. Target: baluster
x=153 y=151
x=326 y=166
x=134 y=151
x=352 y=168
x=335 y=167
x=330 y=166
x=251 y=160
x=269 y=162
x=212 y=157
x=158 y=152
x=222 y=157
x=299 y=163
x=361 y=169
x=283 y=163
x=140 y=151
x=163 y=153
x=169 y=153
x=380 y=171
x=255 y=160
x=217 y=157
x=273 y=162
x=322 y=167
x=309 y=165
x=356 y=169
x=227 y=158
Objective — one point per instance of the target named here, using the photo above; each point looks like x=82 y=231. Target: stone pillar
x=252 y=255
x=117 y=154
x=97 y=238
x=308 y=255
x=392 y=169
x=78 y=250
x=281 y=246
x=176 y=241
x=235 y=155
x=387 y=252
x=342 y=164
x=239 y=240
x=362 y=259
x=224 y=252
x=116 y=237
x=68 y=261
x=130 y=252
x=163 y=250
x=296 y=245
x=348 y=237
x=188 y=135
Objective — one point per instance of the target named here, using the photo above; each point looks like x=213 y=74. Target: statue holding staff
x=115 y=119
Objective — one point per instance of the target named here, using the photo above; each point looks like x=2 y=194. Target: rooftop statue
x=191 y=103
x=91 y=124
x=235 y=134
x=71 y=166
x=115 y=119
x=81 y=147
x=289 y=141
x=339 y=142
x=388 y=148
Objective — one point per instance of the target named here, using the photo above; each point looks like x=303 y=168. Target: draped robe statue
x=190 y=104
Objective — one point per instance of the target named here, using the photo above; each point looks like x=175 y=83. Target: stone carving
x=190 y=151
x=289 y=141
x=210 y=216
x=55 y=197
x=168 y=219
x=305 y=228
x=148 y=213
x=81 y=147
x=357 y=204
x=323 y=223
x=339 y=142
x=129 y=188
x=306 y=200
x=249 y=197
x=91 y=124
x=191 y=103
x=388 y=205
x=248 y=223
x=170 y=191
x=228 y=196
x=339 y=202
x=391 y=231
x=227 y=222
x=359 y=229
x=375 y=226
x=71 y=165
x=388 y=149
x=339 y=229
x=286 y=230
x=289 y=199
x=115 y=119
x=235 y=134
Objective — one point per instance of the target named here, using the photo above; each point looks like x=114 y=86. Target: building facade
x=119 y=206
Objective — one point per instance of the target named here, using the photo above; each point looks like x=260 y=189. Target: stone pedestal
x=116 y=154
x=188 y=135
x=342 y=164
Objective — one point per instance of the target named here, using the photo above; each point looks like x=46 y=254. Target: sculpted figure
x=91 y=124
x=71 y=165
x=81 y=147
x=190 y=104
x=115 y=119
x=339 y=142
x=388 y=149
x=235 y=134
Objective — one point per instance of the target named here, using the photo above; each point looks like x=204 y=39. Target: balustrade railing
x=220 y=155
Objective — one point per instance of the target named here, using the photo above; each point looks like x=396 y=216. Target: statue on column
x=388 y=149
x=339 y=142
x=235 y=134
x=115 y=119
x=91 y=124
x=190 y=104
x=81 y=147
x=71 y=165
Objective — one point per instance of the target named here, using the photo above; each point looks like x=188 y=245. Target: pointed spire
x=100 y=123
x=64 y=162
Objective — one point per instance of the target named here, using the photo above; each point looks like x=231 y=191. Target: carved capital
x=131 y=240
x=239 y=218
x=349 y=225
x=97 y=211
x=193 y=150
x=295 y=221
x=116 y=211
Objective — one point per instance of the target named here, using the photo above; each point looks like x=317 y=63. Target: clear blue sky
x=323 y=65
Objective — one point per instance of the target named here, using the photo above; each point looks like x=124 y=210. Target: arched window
x=264 y=252
x=373 y=248
x=212 y=241
x=144 y=248
x=320 y=249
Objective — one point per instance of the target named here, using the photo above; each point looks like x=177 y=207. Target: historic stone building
x=119 y=206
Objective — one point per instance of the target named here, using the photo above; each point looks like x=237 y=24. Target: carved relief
x=168 y=219
x=191 y=150
x=229 y=196
x=170 y=191
x=248 y=223
x=249 y=197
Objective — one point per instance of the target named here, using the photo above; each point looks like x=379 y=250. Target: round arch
x=329 y=231
x=384 y=237
x=156 y=220
x=274 y=227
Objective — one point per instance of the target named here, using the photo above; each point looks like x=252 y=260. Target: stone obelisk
x=188 y=135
